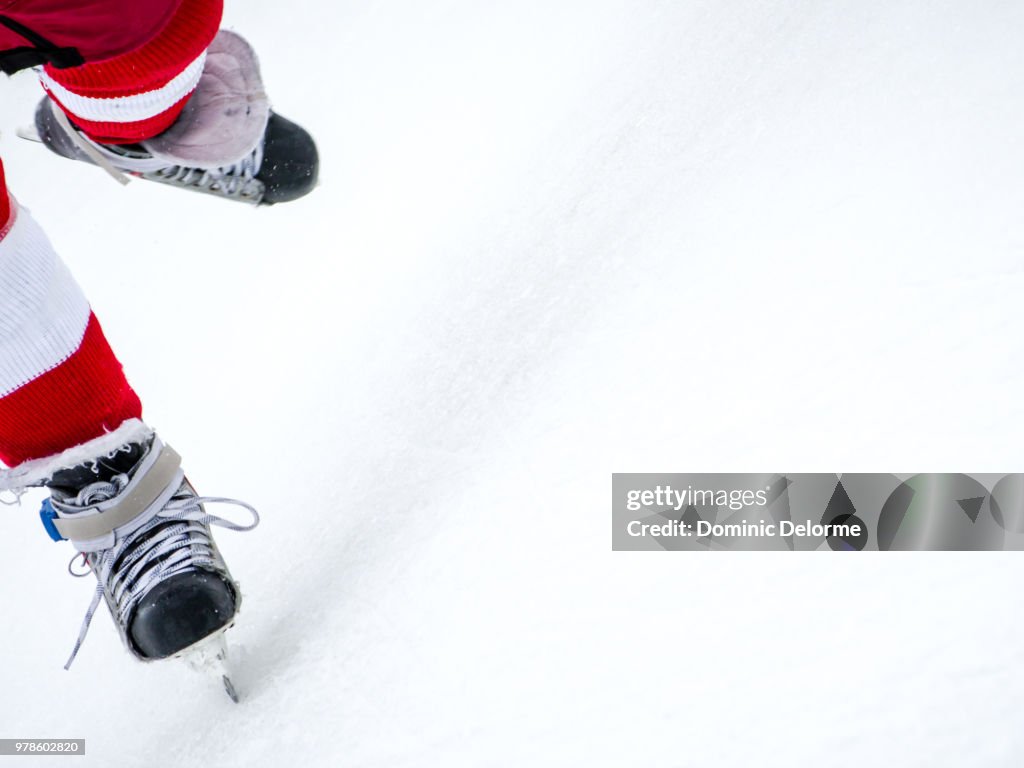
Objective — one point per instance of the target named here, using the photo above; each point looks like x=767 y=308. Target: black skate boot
x=226 y=142
x=143 y=532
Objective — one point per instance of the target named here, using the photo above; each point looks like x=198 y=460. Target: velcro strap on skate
x=136 y=500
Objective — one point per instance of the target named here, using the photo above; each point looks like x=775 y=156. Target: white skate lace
x=238 y=180
x=176 y=540
x=235 y=180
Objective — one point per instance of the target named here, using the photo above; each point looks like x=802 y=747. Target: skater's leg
x=71 y=422
x=136 y=89
x=60 y=383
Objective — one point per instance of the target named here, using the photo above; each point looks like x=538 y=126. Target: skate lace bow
x=177 y=539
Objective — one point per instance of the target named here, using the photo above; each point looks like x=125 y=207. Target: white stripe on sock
x=43 y=312
x=127 y=109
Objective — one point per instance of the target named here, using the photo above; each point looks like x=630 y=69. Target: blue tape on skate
x=48 y=514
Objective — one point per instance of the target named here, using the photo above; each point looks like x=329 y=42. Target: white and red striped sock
x=60 y=383
x=137 y=95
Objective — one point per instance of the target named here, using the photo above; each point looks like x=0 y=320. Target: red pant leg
x=60 y=383
x=140 y=59
x=97 y=29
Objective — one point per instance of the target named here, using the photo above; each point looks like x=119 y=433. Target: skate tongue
x=226 y=116
x=70 y=482
x=41 y=472
x=101 y=491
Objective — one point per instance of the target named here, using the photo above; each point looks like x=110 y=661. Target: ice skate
x=226 y=142
x=143 y=532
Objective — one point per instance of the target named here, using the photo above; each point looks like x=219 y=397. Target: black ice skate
x=226 y=142
x=142 y=531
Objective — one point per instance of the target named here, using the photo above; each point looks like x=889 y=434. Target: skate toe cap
x=181 y=611
x=291 y=162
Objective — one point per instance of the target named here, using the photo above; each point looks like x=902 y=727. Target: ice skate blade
x=229 y=688
x=29 y=133
x=209 y=657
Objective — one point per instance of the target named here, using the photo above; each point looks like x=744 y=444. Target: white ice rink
x=552 y=241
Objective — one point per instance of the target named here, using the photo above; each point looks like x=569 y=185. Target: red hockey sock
x=136 y=95
x=60 y=383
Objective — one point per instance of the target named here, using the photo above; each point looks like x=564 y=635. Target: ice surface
x=555 y=240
